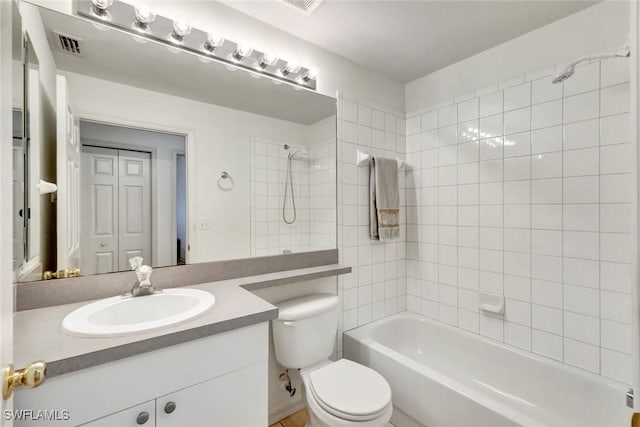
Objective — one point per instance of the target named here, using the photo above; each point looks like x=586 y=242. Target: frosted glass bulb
x=291 y=67
x=269 y=59
x=181 y=29
x=144 y=15
x=244 y=50
x=102 y=4
x=215 y=40
x=241 y=52
x=312 y=74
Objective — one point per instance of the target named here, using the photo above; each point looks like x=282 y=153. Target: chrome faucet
x=143 y=285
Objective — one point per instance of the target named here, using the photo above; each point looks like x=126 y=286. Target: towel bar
x=364 y=159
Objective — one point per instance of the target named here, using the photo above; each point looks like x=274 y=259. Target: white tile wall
x=377 y=286
x=322 y=190
x=270 y=235
x=525 y=190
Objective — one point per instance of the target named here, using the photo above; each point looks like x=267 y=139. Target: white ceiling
x=409 y=39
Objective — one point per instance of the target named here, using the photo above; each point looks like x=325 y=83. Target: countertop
x=38 y=334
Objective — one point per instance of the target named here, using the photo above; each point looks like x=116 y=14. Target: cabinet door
x=141 y=415
x=237 y=399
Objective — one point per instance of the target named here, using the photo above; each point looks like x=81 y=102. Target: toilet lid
x=350 y=390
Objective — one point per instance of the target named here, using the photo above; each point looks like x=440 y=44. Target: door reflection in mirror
x=132 y=197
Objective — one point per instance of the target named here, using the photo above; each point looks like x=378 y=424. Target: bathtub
x=442 y=376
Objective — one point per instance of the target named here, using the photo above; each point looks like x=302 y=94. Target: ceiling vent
x=68 y=44
x=305 y=6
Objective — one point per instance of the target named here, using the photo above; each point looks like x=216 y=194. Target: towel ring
x=225 y=181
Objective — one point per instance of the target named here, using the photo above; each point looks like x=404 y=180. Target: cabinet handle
x=143 y=417
x=169 y=407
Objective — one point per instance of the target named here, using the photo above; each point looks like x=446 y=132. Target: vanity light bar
x=143 y=23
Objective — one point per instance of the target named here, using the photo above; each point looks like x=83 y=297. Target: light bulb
x=144 y=17
x=290 y=67
x=268 y=59
x=180 y=30
x=311 y=74
x=242 y=52
x=102 y=5
x=213 y=41
x=99 y=9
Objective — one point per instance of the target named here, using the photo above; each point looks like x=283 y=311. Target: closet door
x=100 y=206
x=134 y=207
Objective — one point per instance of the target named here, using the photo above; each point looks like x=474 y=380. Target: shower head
x=623 y=52
x=568 y=72
x=299 y=154
x=296 y=151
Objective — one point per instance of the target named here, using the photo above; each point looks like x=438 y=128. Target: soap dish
x=491 y=303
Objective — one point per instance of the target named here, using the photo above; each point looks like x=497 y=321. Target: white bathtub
x=442 y=376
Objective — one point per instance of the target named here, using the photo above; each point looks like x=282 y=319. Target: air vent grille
x=306 y=6
x=69 y=44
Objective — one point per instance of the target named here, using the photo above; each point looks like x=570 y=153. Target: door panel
x=100 y=224
x=68 y=180
x=237 y=399
x=118 y=224
x=134 y=206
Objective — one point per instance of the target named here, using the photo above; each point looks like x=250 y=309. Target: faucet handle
x=135 y=262
x=144 y=273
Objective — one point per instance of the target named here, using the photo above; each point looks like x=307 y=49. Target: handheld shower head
x=623 y=52
x=568 y=72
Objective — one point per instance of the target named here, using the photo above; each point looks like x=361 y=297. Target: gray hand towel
x=384 y=199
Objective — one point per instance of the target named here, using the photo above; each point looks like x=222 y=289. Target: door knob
x=169 y=407
x=142 y=418
x=30 y=377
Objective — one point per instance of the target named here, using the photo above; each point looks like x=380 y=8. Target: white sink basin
x=118 y=316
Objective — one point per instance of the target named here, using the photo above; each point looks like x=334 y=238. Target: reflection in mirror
x=129 y=197
x=163 y=155
x=18 y=145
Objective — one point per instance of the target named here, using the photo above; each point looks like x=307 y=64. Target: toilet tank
x=305 y=331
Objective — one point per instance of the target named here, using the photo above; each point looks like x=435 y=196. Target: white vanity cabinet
x=220 y=380
x=232 y=400
x=140 y=415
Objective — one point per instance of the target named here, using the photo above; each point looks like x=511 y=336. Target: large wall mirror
x=131 y=148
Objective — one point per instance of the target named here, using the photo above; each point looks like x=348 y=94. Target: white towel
x=384 y=199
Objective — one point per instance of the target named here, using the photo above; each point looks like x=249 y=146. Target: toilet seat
x=350 y=391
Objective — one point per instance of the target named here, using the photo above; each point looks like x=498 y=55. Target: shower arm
x=623 y=52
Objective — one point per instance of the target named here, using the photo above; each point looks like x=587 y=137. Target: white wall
x=218 y=139
x=335 y=72
x=602 y=27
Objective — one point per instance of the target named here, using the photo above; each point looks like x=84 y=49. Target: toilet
x=337 y=394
